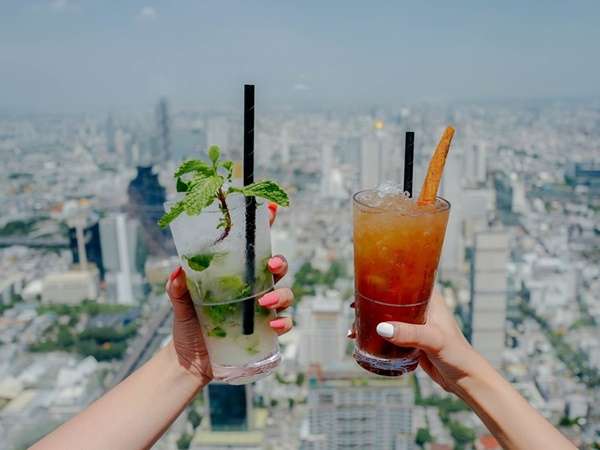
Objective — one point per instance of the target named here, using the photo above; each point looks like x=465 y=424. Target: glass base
x=247 y=373
x=387 y=367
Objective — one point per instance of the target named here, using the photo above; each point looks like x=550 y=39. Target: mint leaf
x=182 y=186
x=193 y=165
x=227 y=165
x=171 y=215
x=218 y=314
x=217 y=332
x=200 y=263
x=214 y=153
x=252 y=349
x=202 y=194
x=234 y=287
x=267 y=189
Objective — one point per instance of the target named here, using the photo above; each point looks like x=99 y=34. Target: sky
x=95 y=55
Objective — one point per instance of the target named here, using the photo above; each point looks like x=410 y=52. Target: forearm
x=510 y=418
x=134 y=414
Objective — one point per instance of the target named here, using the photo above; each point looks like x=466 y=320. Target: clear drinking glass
x=216 y=278
x=397 y=247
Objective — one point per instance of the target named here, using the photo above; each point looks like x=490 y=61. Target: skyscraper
x=380 y=158
x=110 y=134
x=452 y=260
x=475 y=164
x=230 y=420
x=163 y=126
x=488 y=293
x=364 y=413
x=228 y=407
x=119 y=241
x=90 y=235
x=146 y=199
x=370 y=162
x=323 y=327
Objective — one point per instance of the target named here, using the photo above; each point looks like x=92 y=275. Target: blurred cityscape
x=83 y=267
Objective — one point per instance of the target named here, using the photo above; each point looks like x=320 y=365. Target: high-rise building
x=110 y=134
x=359 y=413
x=217 y=133
x=488 y=280
x=89 y=237
x=163 y=125
x=332 y=179
x=323 y=326
x=453 y=253
x=380 y=157
x=478 y=205
x=230 y=420
x=475 y=165
x=119 y=239
x=146 y=199
x=285 y=146
x=228 y=407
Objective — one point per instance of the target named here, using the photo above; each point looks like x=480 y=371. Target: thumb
x=183 y=308
x=403 y=334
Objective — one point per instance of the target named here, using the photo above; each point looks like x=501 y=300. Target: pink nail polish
x=268 y=299
x=277 y=323
x=275 y=263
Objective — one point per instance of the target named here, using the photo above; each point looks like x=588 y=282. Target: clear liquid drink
x=217 y=280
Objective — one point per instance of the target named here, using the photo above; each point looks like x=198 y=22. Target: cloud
x=300 y=87
x=59 y=5
x=147 y=13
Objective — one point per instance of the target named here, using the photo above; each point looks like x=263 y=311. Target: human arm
x=135 y=413
x=451 y=361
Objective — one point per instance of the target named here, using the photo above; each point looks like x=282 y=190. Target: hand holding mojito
x=208 y=221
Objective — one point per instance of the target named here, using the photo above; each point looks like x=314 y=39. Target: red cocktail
x=397 y=246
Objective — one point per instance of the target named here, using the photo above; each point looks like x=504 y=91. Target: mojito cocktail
x=216 y=278
x=397 y=246
x=223 y=240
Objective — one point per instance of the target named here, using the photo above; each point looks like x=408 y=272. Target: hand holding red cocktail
x=397 y=245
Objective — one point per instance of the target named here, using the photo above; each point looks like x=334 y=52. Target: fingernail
x=277 y=323
x=275 y=263
x=385 y=330
x=268 y=299
x=175 y=273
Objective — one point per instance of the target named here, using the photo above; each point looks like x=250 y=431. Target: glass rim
x=377 y=209
x=252 y=296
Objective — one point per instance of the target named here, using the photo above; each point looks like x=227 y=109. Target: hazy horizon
x=77 y=56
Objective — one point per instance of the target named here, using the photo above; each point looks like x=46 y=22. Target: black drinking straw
x=248 y=305
x=409 y=155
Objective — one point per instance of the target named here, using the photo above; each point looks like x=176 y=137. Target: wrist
x=180 y=370
x=478 y=376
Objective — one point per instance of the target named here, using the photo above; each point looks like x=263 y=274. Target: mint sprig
x=204 y=182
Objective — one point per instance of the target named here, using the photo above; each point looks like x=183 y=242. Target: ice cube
x=389 y=188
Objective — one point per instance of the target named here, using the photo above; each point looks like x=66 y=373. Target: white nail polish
x=385 y=330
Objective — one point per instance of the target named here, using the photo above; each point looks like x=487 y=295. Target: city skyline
x=72 y=56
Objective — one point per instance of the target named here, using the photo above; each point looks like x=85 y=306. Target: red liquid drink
x=397 y=246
